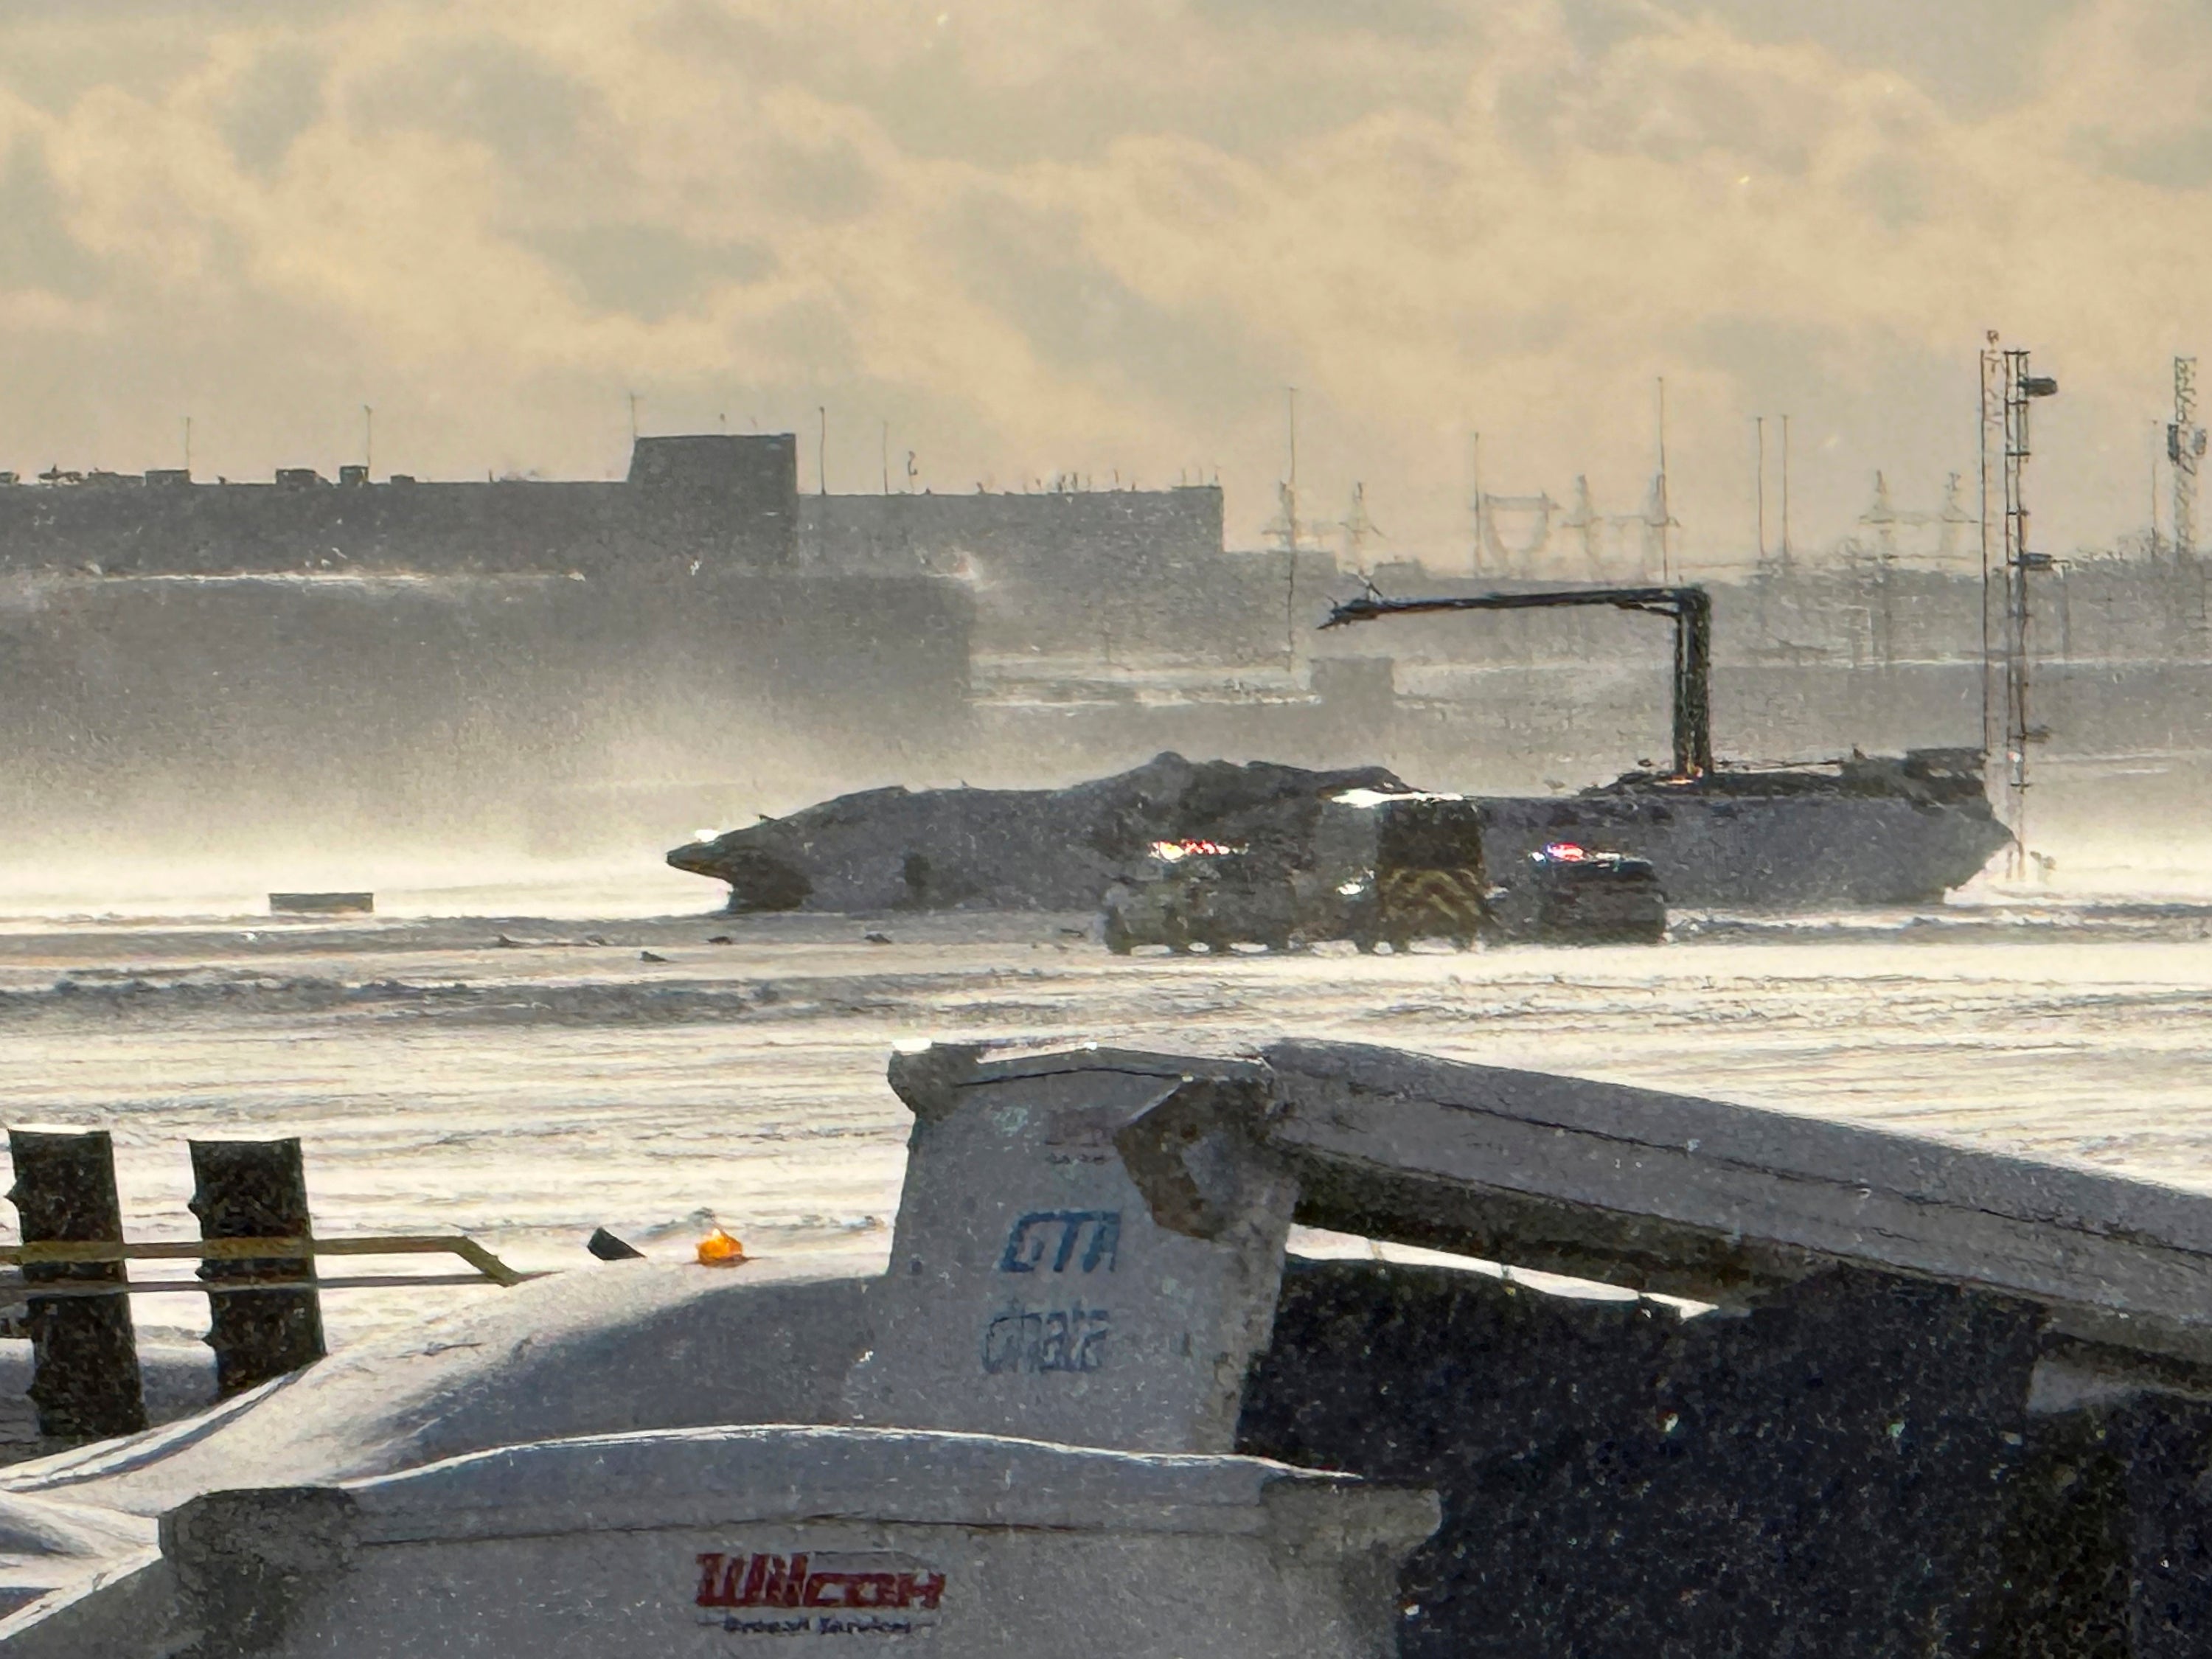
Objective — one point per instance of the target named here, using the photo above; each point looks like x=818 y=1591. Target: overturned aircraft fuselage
x=1861 y=832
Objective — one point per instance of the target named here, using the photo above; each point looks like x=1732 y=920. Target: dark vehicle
x=1203 y=894
x=1577 y=896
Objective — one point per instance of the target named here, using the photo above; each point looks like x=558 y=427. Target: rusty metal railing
x=488 y=1268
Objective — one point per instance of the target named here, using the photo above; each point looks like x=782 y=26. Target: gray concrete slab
x=1088 y=1249
x=1714 y=1199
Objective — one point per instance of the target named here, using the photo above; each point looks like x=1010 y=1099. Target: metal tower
x=1951 y=516
x=1883 y=517
x=1586 y=521
x=1359 y=528
x=1992 y=529
x=2184 y=448
x=1531 y=516
x=2018 y=388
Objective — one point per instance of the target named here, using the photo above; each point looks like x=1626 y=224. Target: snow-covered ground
x=527 y=1091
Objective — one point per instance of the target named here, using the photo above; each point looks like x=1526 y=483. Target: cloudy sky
x=1104 y=236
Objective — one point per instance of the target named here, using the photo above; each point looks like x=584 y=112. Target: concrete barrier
x=1839 y=1470
x=1087 y=1250
x=773 y=1540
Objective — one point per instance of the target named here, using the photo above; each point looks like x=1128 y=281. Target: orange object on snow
x=719 y=1249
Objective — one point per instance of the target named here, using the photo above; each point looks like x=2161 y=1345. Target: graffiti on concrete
x=1033 y=1236
x=1037 y=1341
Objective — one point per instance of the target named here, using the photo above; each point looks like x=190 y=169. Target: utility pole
x=1785 y=489
x=1759 y=485
x=1291 y=539
x=1666 y=510
x=1474 y=471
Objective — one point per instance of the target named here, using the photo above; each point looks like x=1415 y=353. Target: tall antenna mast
x=1758 y=484
x=1474 y=469
x=821 y=451
x=1666 y=511
x=2019 y=388
x=1785 y=489
x=1289 y=490
x=2184 y=448
x=367 y=439
x=1992 y=526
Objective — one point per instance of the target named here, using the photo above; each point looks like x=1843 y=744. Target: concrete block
x=1723 y=1202
x=764 y=1540
x=1836 y=1472
x=1088 y=1250
x=124 y=1610
x=2069 y=1540
x=2169 y=1498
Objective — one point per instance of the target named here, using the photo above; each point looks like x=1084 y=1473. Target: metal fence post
x=84 y=1355
x=256 y=1189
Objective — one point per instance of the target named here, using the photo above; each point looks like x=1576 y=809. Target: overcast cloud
x=1103 y=234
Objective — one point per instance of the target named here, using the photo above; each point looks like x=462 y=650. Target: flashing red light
x=1172 y=850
